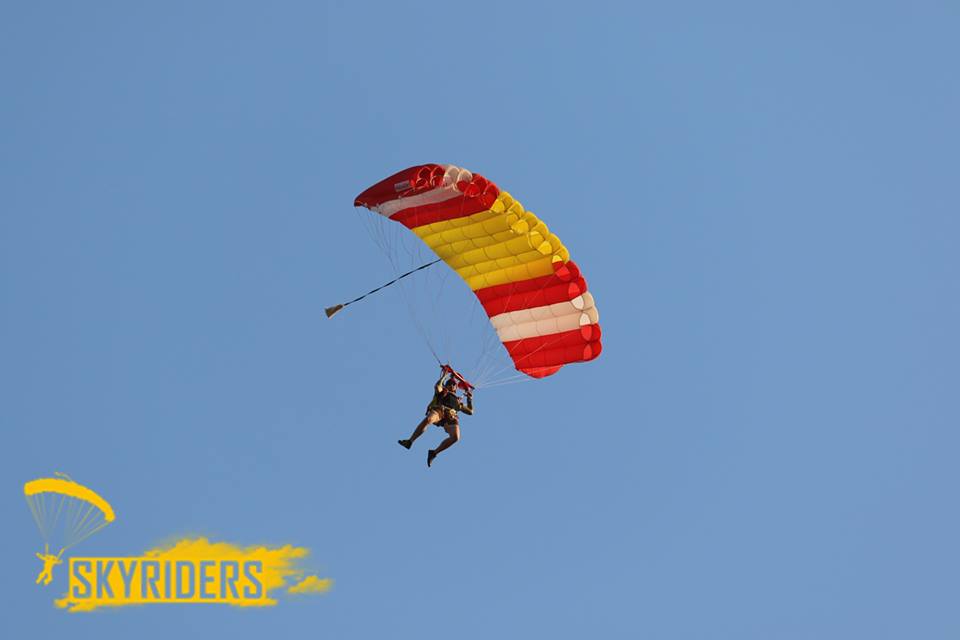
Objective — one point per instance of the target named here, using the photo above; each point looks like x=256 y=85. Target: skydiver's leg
x=453 y=436
x=432 y=418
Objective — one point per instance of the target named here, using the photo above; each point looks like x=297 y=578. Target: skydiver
x=49 y=562
x=442 y=411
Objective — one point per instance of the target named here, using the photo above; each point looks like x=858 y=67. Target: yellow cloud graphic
x=192 y=570
x=311 y=584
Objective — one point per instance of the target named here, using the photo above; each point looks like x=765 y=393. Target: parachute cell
x=520 y=271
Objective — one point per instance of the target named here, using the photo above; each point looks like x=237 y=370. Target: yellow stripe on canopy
x=500 y=245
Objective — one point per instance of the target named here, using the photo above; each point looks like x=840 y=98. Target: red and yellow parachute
x=532 y=291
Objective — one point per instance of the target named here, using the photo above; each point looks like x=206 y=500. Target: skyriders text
x=121 y=581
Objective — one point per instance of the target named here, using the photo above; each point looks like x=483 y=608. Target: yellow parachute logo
x=65 y=511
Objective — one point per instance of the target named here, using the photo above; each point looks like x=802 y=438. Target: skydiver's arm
x=467 y=408
x=39 y=556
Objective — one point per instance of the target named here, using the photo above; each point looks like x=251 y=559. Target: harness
x=447 y=413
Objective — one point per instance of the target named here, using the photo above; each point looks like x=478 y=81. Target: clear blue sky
x=763 y=197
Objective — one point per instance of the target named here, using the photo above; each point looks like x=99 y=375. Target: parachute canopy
x=522 y=274
x=66 y=512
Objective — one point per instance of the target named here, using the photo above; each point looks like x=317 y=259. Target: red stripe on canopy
x=563 y=285
x=456 y=207
x=410 y=181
